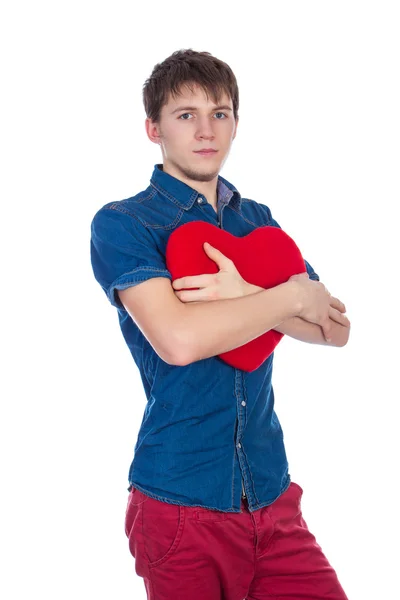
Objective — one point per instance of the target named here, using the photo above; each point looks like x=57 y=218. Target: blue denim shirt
x=208 y=430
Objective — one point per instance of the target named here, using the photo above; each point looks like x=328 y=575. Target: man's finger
x=326 y=330
x=192 y=295
x=336 y=303
x=216 y=255
x=339 y=317
x=194 y=281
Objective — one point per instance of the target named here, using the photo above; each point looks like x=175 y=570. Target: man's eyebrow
x=194 y=108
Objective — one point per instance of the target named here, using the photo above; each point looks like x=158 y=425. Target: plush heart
x=265 y=257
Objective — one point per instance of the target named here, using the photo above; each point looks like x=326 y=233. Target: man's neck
x=207 y=188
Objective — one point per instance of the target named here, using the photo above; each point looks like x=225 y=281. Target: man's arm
x=302 y=330
x=228 y=283
x=184 y=333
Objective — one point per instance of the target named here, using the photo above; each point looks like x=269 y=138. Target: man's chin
x=198 y=175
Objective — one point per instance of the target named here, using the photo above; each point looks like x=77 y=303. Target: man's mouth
x=206 y=152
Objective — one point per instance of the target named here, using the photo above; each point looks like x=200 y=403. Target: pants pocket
x=288 y=506
x=163 y=525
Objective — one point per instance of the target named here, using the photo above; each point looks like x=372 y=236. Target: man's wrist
x=297 y=297
x=294 y=292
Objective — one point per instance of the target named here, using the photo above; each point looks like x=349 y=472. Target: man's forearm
x=210 y=328
x=302 y=330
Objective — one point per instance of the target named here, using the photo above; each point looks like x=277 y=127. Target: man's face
x=189 y=124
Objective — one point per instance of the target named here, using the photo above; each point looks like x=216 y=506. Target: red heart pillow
x=265 y=257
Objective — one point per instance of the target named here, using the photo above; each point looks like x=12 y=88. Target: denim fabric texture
x=206 y=426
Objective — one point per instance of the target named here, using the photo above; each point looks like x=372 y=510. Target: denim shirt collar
x=184 y=196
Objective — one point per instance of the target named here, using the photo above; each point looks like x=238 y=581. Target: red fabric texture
x=265 y=257
x=192 y=553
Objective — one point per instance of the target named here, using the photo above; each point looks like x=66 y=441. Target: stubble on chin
x=196 y=175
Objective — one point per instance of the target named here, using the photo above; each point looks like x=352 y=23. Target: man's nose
x=205 y=129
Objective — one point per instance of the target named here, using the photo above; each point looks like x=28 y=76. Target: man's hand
x=227 y=283
x=316 y=312
x=293 y=327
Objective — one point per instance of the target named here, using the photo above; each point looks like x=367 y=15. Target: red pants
x=192 y=553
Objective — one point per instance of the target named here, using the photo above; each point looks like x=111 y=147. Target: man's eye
x=185 y=115
x=220 y=113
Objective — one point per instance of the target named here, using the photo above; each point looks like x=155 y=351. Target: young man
x=212 y=513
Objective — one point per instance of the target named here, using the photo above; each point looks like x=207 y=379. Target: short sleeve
x=123 y=253
x=271 y=221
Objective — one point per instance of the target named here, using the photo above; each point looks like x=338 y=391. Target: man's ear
x=152 y=130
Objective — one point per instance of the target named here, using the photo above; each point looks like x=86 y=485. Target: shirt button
x=239 y=445
x=199 y=200
x=243 y=403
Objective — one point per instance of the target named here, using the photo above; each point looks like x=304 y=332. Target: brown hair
x=188 y=67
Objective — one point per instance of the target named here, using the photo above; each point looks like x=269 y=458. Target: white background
x=318 y=142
